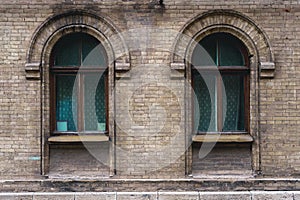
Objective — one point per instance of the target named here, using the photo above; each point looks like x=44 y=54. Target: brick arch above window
x=227 y=21
x=56 y=26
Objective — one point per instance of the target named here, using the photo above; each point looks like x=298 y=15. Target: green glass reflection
x=66 y=101
x=79 y=49
x=205 y=53
x=219 y=49
x=205 y=91
x=94 y=101
x=67 y=51
x=234 y=119
x=93 y=53
x=229 y=53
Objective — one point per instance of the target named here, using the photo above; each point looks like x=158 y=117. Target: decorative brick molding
x=52 y=29
x=120 y=68
x=177 y=70
x=177 y=66
x=267 y=70
x=225 y=21
x=32 y=70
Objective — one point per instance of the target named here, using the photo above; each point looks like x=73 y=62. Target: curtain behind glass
x=66 y=102
x=205 y=91
x=233 y=118
x=94 y=101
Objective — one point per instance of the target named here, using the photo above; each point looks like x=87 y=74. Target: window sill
x=78 y=138
x=56 y=133
x=223 y=138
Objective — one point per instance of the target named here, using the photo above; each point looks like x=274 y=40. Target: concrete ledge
x=136 y=195
x=95 y=196
x=259 y=195
x=208 y=184
x=16 y=196
x=179 y=195
x=296 y=195
x=225 y=195
x=242 y=195
x=53 y=196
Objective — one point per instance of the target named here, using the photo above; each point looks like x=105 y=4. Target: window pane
x=67 y=51
x=235 y=108
x=205 y=53
x=219 y=49
x=79 y=49
x=230 y=54
x=92 y=53
x=66 y=101
x=205 y=91
x=94 y=102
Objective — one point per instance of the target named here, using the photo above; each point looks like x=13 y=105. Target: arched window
x=78 y=85
x=220 y=76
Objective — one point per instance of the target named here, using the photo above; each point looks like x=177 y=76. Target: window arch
x=78 y=85
x=220 y=77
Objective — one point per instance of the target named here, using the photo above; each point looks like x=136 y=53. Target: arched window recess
x=78 y=88
x=220 y=79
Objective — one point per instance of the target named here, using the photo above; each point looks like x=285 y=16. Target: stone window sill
x=223 y=138
x=78 y=138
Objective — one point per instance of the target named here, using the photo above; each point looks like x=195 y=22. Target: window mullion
x=80 y=103
x=219 y=104
x=80 y=93
x=80 y=52
x=218 y=54
x=219 y=95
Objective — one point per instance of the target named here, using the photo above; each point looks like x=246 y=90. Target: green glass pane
x=230 y=54
x=205 y=93
x=92 y=53
x=219 y=49
x=205 y=53
x=67 y=51
x=79 y=49
x=94 y=101
x=66 y=101
x=233 y=107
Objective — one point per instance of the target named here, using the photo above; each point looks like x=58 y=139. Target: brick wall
x=69 y=161
x=223 y=160
x=22 y=123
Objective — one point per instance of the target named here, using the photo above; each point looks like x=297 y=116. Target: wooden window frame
x=218 y=71
x=79 y=71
